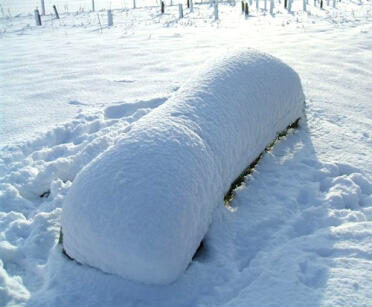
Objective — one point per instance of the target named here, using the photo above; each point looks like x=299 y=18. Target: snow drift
x=140 y=209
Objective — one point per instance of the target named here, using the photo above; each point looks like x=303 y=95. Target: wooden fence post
x=42 y=7
x=37 y=17
x=216 y=10
x=55 y=11
x=110 y=20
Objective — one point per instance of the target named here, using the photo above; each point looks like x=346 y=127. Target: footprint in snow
x=312 y=275
x=127 y=109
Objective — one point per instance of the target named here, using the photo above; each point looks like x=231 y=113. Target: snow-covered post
x=110 y=21
x=42 y=7
x=134 y=4
x=257 y=5
x=180 y=10
x=271 y=7
x=37 y=17
x=93 y=8
x=215 y=10
x=191 y=6
x=304 y=5
x=162 y=7
x=55 y=11
x=265 y=6
x=289 y=6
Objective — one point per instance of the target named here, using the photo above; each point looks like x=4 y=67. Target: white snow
x=301 y=230
x=141 y=209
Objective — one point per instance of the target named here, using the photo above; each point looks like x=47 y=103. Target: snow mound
x=140 y=209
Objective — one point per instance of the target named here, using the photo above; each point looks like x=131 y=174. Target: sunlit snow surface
x=302 y=231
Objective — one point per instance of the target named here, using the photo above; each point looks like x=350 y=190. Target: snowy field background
x=301 y=231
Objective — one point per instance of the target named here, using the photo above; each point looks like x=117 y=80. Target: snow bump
x=141 y=208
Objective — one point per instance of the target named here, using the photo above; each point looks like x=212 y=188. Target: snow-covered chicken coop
x=141 y=208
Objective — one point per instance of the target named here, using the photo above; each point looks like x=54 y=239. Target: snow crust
x=141 y=208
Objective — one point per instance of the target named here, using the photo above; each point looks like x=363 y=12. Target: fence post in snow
x=243 y=6
x=246 y=9
x=289 y=6
x=188 y=4
x=215 y=10
x=191 y=6
x=271 y=7
x=285 y=4
x=180 y=10
x=257 y=5
x=110 y=21
x=321 y=4
x=304 y=5
x=93 y=8
x=162 y=7
x=37 y=17
x=55 y=11
x=134 y=4
x=42 y=7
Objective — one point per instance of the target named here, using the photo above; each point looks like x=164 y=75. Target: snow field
x=141 y=209
x=275 y=249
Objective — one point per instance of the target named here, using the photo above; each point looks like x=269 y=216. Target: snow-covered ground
x=301 y=231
